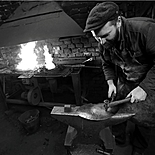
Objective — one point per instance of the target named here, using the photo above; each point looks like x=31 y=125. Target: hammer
x=108 y=104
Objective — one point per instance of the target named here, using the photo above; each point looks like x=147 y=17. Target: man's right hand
x=112 y=88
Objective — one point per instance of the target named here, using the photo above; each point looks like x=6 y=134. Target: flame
x=48 y=59
x=29 y=58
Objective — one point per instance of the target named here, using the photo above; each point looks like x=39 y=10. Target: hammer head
x=106 y=104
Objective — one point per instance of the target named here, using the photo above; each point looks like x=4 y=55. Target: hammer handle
x=114 y=103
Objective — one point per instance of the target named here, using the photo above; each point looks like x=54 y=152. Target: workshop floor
x=47 y=140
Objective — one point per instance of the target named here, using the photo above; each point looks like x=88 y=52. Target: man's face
x=107 y=36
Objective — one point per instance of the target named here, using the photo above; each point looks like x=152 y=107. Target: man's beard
x=111 y=43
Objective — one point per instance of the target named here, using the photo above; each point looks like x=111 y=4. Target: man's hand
x=137 y=94
x=112 y=88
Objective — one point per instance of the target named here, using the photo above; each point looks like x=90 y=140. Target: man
x=127 y=48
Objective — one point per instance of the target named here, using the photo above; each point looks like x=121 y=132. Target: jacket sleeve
x=107 y=66
x=148 y=84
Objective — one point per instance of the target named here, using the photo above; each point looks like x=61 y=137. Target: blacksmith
x=127 y=47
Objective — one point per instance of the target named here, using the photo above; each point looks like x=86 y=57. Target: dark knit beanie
x=100 y=15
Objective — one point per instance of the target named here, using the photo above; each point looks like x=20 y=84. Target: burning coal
x=34 y=57
x=48 y=59
x=29 y=58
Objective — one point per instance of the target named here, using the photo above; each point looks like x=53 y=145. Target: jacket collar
x=122 y=33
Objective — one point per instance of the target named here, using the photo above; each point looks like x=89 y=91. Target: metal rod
x=44 y=104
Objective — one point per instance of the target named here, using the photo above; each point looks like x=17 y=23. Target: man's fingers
x=132 y=100
x=129 y=95
x=109 y=94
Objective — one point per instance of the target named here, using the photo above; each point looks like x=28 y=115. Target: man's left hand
x=137 y=94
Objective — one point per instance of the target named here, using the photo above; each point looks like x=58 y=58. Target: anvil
x=90 y=119
x=88 y=128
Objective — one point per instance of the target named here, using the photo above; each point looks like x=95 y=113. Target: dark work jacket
x=135 y=55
